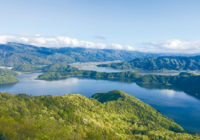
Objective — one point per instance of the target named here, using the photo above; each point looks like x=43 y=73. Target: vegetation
x=7 y=77
x=59 y=67
x=29 y=68
x=7 y=71
x=105 y=116
x=159 y=63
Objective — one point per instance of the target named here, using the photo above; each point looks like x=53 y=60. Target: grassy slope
x=116 y=115
x=7 y=77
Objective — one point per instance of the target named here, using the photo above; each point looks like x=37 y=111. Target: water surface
x=182 y=108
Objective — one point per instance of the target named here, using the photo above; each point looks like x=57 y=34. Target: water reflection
x=7 y=85
x=169 y=93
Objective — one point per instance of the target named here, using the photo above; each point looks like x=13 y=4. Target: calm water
x=180 y=107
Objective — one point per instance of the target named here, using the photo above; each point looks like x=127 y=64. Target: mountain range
x=15 y=54
x=159 y=63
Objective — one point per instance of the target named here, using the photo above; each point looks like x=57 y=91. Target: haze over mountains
x=13 y=54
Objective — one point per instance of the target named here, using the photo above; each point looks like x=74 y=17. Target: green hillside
x=7 y=77
x=105 y=116
x=159 y=63
x=15 y=54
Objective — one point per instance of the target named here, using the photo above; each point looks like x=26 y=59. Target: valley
x=179 y=103
x=99 y=70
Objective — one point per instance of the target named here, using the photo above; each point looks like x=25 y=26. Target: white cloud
x=169 y=46
x=60 y=41
x=173 y=46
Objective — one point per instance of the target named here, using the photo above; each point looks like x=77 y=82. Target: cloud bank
x=60 y=41
x=173 y=46
x=169 y=46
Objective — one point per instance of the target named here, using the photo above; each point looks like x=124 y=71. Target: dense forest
x=186 y=82
x=159 y=63
x=7 y=77
x=104 y=116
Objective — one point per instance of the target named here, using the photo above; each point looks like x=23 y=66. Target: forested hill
x=106 y=116
x=14 y=54
x=159 y=63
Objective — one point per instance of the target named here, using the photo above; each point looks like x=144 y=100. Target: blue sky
x=125 y=22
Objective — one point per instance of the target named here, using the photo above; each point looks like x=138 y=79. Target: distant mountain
x=159 y=63
x=105 y=116
x=15 y=54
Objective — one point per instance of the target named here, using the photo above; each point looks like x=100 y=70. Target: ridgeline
x=104 y=116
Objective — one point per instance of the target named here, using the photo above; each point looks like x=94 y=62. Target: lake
x=179 y=106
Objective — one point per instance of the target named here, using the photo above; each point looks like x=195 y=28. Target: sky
x=142 y=25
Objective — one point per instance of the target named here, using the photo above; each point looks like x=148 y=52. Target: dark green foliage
x=159 y=63
x=105 y=97
x=74 y=116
